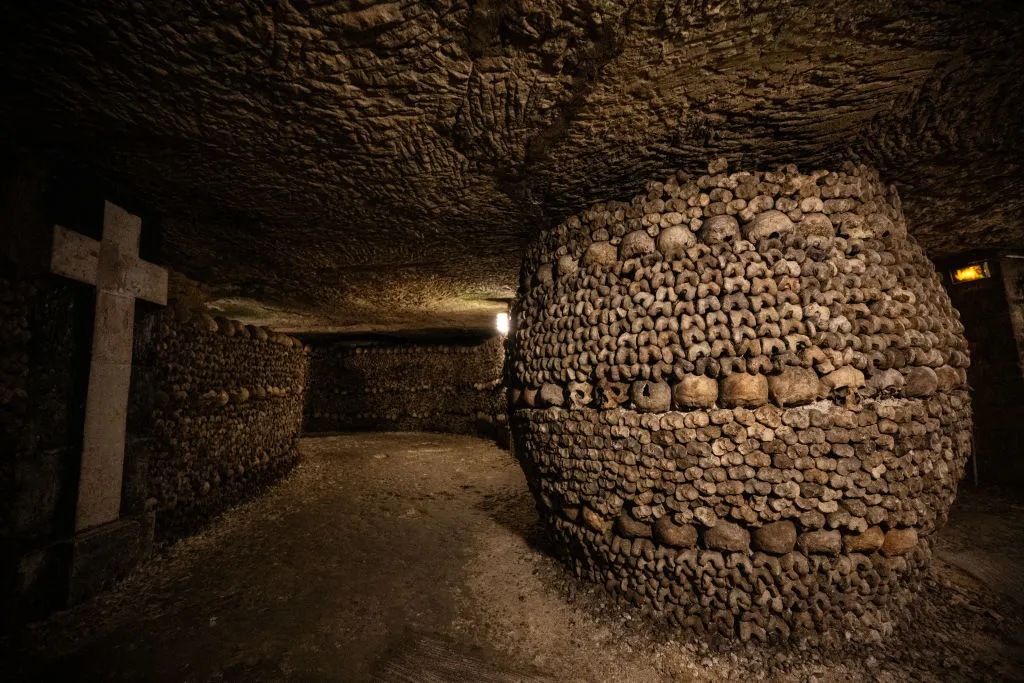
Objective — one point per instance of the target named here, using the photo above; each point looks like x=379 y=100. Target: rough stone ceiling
x=383 y=164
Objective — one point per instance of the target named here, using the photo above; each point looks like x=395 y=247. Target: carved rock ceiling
x=356 y=165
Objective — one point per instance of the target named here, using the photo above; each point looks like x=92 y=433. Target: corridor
x=413 y=557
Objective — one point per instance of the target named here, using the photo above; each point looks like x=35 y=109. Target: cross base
x=100 y=556
x=39 y=580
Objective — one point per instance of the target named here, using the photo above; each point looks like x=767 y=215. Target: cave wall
x=452 y=386
x=226 y=415
x=740 y=401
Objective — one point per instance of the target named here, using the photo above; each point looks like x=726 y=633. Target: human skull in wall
x=777 y=415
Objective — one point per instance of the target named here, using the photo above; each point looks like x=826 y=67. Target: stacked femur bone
x=740 y=400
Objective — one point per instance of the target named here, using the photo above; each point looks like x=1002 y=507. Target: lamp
x=972 y=273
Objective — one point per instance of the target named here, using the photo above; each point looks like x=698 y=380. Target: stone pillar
x=740 y=400
x=108 y=543
x=45 y=327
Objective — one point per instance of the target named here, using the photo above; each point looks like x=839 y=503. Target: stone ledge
x=99 y=557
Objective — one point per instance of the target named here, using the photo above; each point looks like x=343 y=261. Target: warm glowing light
x=502 y=323
x=975 y=271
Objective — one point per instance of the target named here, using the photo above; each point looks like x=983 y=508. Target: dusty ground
x=414 y=557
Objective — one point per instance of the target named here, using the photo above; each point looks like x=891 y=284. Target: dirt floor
x=415 y=557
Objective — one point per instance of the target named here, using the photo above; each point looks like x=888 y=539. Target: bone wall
x=740 y=401
x=227 y=415
x=452 y=387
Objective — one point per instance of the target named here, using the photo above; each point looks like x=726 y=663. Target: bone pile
x=229 y=411
x=452 y=388
x=740 y=401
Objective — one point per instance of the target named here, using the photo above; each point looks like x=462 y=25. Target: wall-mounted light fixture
x=972 y=273
x=501 y=322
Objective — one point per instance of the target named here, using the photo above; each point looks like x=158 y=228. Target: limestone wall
x=227 y=414
x=412 y=386
x=740 y=400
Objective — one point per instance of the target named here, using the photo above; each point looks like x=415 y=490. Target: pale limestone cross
x=120 y=276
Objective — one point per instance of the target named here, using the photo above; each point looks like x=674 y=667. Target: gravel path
x=414 y=557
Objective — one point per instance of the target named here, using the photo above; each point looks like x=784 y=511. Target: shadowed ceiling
x=359 y=165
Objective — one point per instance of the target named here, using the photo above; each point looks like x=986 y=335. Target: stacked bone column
x=228 y=415
x=740 y=400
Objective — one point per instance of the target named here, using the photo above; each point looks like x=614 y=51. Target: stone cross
x=120 y=276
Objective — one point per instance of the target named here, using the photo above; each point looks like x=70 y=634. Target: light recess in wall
x=972 y=272
x=501 y=322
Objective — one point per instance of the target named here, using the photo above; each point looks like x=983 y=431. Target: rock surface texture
x=749 y=463
x=227 y=416
x=430 y=387
x=386 y=162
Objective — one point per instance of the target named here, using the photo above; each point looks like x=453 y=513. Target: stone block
x=75 y=256
x=106 y=413
x=101 y=556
